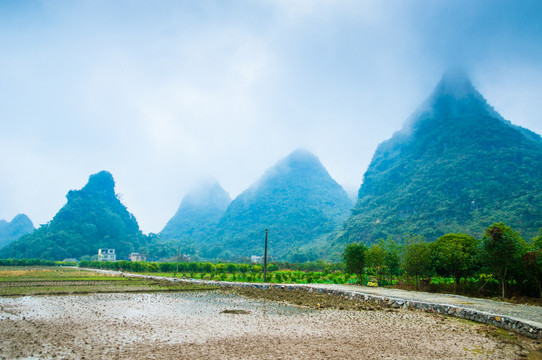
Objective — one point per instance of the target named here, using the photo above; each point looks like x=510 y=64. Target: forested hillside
x=456 y=166
x=92 y=218
x=297 y=200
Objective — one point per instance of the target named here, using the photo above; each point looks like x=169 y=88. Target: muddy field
x=223 y=325
x=39 y=281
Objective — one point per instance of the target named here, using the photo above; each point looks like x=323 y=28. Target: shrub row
x=35 y=262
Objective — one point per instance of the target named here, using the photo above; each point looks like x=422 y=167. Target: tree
x=392 y=259
x=501 y=248
x=376 y=257
x=354 y=259
x=455 y=254
x=208 y=267
x=417 y=258
x=231 y=268
x=532 y=262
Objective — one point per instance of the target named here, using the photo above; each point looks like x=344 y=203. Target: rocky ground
x=254 y=325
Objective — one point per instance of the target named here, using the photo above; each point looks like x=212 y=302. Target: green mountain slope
x=11 y=231
x=92 y=218
x=199 y=212
x=456 y=166
x=297 y=200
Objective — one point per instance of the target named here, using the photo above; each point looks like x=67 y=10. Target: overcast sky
x=163 y=93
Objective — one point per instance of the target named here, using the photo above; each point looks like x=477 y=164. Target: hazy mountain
x=199 y=212
x=456 y=166
x=92 y=218
x=297 y=200
x=11 y=231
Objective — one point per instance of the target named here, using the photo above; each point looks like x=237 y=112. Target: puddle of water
x=175 y=317
x=134 y=306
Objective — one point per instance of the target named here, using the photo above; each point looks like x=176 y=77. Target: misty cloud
x=163 y=94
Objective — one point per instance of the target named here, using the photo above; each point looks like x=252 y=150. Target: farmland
x=95 y=315
x=18 y=281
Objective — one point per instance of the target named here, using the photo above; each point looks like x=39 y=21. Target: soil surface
x=317 y=301
x=225 y=325
x=520 y=311
x=498 y=308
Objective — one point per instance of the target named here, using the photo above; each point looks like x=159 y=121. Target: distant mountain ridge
x=92 y=218
x=456 y=166
x=10 y=231
x=296 y=200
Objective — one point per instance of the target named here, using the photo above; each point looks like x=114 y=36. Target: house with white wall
x=107 y=255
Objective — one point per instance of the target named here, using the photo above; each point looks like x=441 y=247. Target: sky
x=165 y=93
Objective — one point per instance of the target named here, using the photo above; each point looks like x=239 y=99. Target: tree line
x=35 y=262
x=498 y=262
x=500 y=254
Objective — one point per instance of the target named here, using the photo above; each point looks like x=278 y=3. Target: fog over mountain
x=163 y=93
x=199 y=212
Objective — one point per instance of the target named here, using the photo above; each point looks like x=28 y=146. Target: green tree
x=231 y=268
x=532 y=262
x=208 y=267
x=501 y=248
x=244 y=268
x=417 y=258
x=392 y=259
x=376 y=257
x=538 y=238
x=455 y=255
x=221 y=268
x=354 y=257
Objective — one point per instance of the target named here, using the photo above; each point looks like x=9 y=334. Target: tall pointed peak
x=22 y=218
x=454 y=96
x=297 y=199
x=203 y=184
x=301 y=154
x=99 y=183
x=457 y=151
x=205 y=192
x=299 y=157
x=299 y=160
x=102 y=181
x=199 y=211
x=11 y=231
x=455 y=82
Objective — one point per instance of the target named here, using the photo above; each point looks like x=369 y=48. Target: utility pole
x=265 y=259
x=178 y=253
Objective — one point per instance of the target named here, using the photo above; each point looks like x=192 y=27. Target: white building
x=255 y=259
x=107 y=255
x=137 y=257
